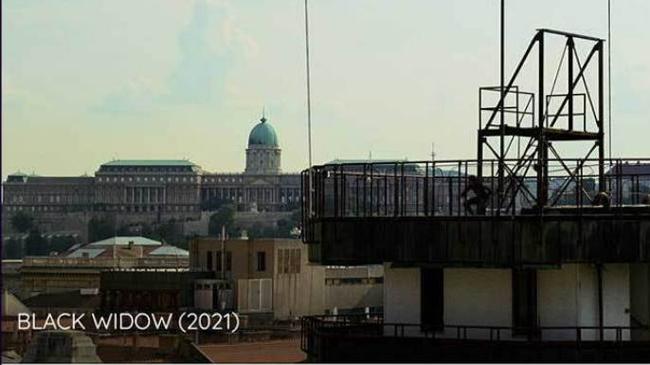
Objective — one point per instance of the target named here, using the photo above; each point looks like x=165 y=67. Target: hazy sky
x=86 y=81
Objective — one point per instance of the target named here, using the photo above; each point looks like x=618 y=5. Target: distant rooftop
x=169 y=250
x=639 y=168
x=90 y=253
x=125 y=241
x=11 y=305
x=149 y=163
x=360 y=161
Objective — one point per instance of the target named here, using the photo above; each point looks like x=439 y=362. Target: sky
x=88 y=81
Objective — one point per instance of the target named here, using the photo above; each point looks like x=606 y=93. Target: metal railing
x=350 y=327
x=435 y=188
x=112 y=263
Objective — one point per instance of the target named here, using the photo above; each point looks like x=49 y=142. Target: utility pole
x=223 y=252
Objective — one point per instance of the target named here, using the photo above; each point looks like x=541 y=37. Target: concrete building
x=150 y=191
x=61 y=347
x=273 y=278
x=12 y=338
x=80 y=268
x=462 y=287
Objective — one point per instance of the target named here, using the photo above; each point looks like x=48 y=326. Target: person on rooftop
x=480 y=192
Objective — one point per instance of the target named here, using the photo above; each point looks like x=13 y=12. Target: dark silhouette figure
x=481 y=195
x=601 y=199
x=646 y=199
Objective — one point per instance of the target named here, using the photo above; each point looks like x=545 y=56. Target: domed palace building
x=262 y=186
x=158 y=190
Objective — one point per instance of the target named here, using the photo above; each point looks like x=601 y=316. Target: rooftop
x=125 y=241
x=67 y=299
x=149 y=163
x=11 y=305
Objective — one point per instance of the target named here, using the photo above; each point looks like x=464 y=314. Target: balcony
x=415 y=213
x=368 y=339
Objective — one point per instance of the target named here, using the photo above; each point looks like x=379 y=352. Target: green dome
x=263 y=134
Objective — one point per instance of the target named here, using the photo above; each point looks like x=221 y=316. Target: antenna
x=308 y=71
x=308 y=81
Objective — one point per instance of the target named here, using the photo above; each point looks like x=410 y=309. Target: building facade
x=157 y=190
x=272 y=278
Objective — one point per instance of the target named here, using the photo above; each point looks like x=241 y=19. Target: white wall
x=480 y=297
x=616 y=298
x=569 y=297
x=640 y=293
x=472 y=296
x=401 y=295
x=640 y=298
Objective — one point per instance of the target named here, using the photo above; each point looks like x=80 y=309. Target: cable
x=609 y=75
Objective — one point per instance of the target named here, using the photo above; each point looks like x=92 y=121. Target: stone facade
x=158 y=190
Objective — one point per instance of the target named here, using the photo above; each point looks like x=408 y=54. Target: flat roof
x=125 y=241
x=149 y=163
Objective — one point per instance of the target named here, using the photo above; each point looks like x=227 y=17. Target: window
x=431 y=298
x=289 y=261
x=295 y=261
x=209 y=260
x=228 y=261
x=261 y=261
x=281 y=267
x=218 y=265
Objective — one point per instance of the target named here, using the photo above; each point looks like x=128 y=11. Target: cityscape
x=521 y=234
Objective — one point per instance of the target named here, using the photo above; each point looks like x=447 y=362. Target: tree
x=35 y=244
x=256 y=231
x=225 y=216
x=212 y=204
x=22 y=222
x=99 y=229
x=13 y=249
x=61 y=243
x=286 y=226
x=168 y=232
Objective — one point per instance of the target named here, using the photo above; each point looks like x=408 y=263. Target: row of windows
x=147 y=179
x=216 y=265
x=152 y=208
x=353 y=281
x=219 y=260
x=212 y=286
x=289 y=261
x=145 y=169
x=169 y=179
x=224 y=179
x=37 y=209
x=49 y=198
